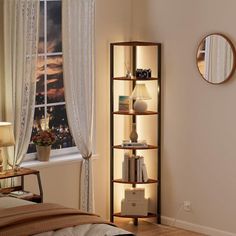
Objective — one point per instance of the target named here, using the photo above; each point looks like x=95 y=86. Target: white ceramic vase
x=133 y=135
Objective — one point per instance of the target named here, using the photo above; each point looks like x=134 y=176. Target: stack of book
x=140 y=143
x=134 y=169
x=20 y=194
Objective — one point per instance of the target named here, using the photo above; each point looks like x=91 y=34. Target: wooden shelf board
x=135 y=216
x=135 y=43
x=10 y=189
x=150 y=181
x=20 y=172
x=135 y=148
x=135 y=78
x=132 y=113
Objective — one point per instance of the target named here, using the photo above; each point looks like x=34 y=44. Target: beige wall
x=60 y=183
x=199 y=119
x=113 y=20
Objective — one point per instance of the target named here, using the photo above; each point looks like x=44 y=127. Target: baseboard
x=194 y=227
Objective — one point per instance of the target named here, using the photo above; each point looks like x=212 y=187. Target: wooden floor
x=149 y=229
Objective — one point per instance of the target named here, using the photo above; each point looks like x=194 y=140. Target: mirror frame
x=234 y=58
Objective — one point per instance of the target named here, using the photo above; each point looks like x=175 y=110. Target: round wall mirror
x=216 y=58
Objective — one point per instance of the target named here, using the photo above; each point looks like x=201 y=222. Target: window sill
x=55 y=161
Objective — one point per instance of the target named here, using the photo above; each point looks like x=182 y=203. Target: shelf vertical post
x=159 y=137
x=112 y=133
x=134 y=67
x=135 y=220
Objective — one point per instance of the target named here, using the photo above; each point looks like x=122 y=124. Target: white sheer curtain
x=219 y=59
x=20 y=55
x=78 y=59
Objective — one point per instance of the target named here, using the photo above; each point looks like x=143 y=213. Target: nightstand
x=21 y=173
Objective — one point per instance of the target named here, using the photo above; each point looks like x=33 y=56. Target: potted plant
x=43 y=141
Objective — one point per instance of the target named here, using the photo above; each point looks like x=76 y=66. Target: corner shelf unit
x=156 y=146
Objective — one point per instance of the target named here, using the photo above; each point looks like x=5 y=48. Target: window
x=50 y=110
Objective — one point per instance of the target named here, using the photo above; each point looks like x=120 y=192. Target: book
x=134 y=144
x=20 y=194
x=144 y=173
x=132 y=168
x=124 y=178
x=140 y=165
x=126 y=167
x=136 y=168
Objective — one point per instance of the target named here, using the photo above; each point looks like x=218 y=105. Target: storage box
x=136 y=194
x=134 y=208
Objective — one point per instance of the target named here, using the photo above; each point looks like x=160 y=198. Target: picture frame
x=124 y=103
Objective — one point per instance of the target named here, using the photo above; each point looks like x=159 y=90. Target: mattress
x=80 y=230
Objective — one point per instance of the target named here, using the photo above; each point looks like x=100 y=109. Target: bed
x=20 y=218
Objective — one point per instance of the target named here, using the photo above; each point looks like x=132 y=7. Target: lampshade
x=140 y=92
x=6 y=134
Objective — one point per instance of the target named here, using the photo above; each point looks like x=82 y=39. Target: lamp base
x=2 y=172
x=140 y=105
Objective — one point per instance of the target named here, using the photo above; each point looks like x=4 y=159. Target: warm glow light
x=6 y=139
x=140 y=92
x=146 y=58
x=6 y=134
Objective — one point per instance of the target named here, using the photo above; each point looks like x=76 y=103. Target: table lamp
x=140 y=94
x=6 y=139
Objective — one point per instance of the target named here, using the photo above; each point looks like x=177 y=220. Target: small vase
x=133 y=135
x=43 y=152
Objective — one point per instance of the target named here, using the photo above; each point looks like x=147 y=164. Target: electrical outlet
x=187 y=205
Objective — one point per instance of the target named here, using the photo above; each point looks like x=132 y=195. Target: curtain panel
x=78 y=66
x=219 y=59
x=21 y=23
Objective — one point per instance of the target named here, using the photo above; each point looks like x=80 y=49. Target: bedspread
x=44 y=217
x=88 y=230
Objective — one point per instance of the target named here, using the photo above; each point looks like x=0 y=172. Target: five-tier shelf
x=133 y=46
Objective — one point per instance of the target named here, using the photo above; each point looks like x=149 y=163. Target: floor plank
x=150 y=229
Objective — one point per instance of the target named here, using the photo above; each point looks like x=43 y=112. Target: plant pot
x=43 y=152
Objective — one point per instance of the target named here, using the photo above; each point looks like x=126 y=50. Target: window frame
x=55 y=153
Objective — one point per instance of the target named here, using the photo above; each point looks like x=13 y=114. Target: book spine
x=144 y=171
x=141 y=162
x=123 y=171
x=128 y=169
x=132 y=169
x=125 y=168
x=136 y=168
